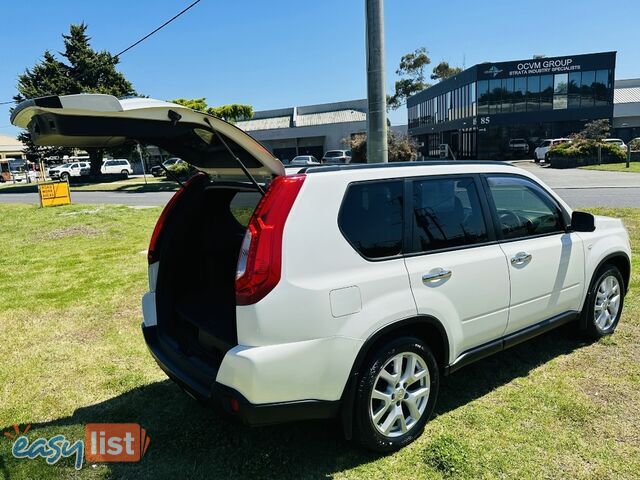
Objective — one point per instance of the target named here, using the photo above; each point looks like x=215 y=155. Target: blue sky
x=279 y=53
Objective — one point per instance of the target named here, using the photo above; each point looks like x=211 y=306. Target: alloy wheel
x=607 y=303
x=400 y=394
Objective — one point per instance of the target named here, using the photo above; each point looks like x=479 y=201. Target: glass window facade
x=482 y=111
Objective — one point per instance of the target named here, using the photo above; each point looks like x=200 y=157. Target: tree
x=83 y=70
x=231 y=113
x=595 y=130
x=402 y=148
x=442 y=71
x=412 y=80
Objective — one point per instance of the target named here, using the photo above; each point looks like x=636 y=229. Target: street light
x=376 y=91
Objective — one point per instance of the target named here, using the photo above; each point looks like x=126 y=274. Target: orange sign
x=115 y=442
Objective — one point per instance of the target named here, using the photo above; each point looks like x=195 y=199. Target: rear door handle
x=521 y=258
x=436 y=274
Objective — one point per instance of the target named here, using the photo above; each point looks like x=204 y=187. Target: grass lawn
x=634 y=167
x=71 y=279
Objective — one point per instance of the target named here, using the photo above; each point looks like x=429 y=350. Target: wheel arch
x=622 y=262
x=425 y=327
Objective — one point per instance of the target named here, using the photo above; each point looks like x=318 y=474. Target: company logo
x=493 y=71
x=115 y=442
x=103 y=442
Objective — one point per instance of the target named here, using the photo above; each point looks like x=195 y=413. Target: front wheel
x=64 y=176
x=125 y=173
x=604 y=302
x=396 y=395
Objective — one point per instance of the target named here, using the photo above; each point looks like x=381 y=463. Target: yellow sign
x=54 y=193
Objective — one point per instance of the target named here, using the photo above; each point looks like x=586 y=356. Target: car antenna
x=242 y=166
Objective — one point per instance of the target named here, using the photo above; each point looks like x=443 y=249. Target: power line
x=157 y=29
x=143 y=38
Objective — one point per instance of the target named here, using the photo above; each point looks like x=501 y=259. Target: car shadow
x=189 y=440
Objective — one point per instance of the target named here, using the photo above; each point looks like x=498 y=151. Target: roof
x=626 y=95
x=340 y=116
x=264 y=123
x=307 y=116
x=10 y=144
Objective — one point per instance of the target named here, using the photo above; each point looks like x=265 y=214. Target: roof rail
x=425 y=163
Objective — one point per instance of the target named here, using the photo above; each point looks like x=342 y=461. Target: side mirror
x=582 y=222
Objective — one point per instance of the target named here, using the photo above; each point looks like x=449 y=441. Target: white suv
x=117 y=165
x=539 y=154
x=356 y=309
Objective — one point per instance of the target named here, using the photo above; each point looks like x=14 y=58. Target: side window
x=523 y=208
x=447 y=213
x=371 y=218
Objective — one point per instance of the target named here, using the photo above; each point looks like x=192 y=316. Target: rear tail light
x=260 y=260
x=153 y=254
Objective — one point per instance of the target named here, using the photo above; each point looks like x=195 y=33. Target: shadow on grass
x=18 y=188
x=191 y=441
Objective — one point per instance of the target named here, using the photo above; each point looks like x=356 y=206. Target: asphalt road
x=579 y=188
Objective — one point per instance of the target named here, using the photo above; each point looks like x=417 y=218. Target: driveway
x=589 y=188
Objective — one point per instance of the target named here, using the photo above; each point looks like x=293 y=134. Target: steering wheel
x=509 y=221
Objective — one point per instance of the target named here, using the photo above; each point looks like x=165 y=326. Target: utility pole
x=376 y=91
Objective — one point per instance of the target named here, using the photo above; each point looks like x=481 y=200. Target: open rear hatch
x=195 y=247
x=95 y=120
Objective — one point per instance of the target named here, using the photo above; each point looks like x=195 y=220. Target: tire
x=125 y=173
x=368 y=428
x=64 y=176
x=606 y=290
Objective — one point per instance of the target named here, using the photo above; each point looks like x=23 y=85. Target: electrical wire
x=143 y=38
x=157 y=29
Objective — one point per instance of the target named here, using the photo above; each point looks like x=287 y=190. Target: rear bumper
x=199 y=381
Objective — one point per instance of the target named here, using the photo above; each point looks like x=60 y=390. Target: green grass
x=71 y=279
x=634 y=167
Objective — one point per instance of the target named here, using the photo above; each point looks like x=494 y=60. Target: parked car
x=518 y=145
x=539 y=154
x=158 y=171
x=304 y=160
x=406 y=272
x=337 y=156
x=615 y=141
x=117 y=165
x=66 y=170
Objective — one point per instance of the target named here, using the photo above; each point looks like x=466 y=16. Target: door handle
x=521 y=258
x=436 y=274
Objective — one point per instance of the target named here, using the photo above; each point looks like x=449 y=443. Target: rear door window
x=371 y=218
x=447 y=213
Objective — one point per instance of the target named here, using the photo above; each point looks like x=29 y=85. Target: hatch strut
x=242 y=166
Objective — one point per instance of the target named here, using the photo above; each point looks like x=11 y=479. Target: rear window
x=333 y=154
x=447 y=214
x=371 y=218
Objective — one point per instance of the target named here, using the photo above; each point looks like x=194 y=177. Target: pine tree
x=82 y=70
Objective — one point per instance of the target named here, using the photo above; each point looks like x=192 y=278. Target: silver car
x=337 y=156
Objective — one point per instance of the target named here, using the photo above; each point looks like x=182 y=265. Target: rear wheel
x=604 y=302
x=396 y=394
x=125 y=173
